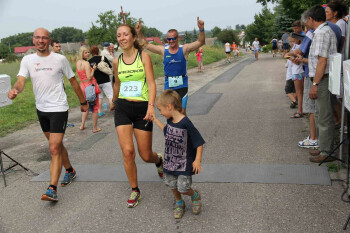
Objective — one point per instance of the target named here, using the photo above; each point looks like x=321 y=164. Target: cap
x=105 y=44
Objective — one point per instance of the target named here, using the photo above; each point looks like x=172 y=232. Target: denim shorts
x=298 y=77
x=181 y=182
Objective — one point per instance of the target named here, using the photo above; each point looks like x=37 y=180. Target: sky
x=17 y=16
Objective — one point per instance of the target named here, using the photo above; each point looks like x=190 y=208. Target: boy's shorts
x=309 y=105
x=289 y=88
x=181 y=182
x=297 y=76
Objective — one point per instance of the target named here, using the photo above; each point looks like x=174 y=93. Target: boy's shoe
x=50 y=195
x=68 y=178
x=160 y=168
x=134 y=199
x=306 y=143
x=179 y=210
x=293 y=104
x=196 y=203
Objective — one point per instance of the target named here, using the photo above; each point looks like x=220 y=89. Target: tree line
x=272 y=23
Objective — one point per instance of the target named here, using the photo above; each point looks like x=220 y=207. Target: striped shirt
x=324 y=43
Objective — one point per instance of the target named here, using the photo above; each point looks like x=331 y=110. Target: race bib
x=175 y=81
x=131 y=89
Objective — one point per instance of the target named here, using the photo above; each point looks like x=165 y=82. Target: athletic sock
x=53 y=187
x=195 y=195
x=180 y=202
x=69 y=170
x=313 y=141
x=136 y=189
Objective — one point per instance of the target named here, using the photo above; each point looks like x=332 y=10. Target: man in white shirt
x=106 y=52
x=46 y=71
x=228 y=52
x=256 y=48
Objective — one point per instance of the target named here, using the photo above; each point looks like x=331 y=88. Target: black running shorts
x=132 y=113
x=53 y=122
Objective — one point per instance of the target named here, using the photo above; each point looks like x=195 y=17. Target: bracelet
x=201 y=30
x=151 y=105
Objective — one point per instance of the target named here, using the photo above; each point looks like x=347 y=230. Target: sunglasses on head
x=171 y=38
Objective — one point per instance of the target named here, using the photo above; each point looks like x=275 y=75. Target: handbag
x=103 y=67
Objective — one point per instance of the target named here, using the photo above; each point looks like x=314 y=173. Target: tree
x=282 y=21
x=215 y=31
x=150 y=32
x=23 y=39
x=106 y=27
x=194 y=35
x=262 y=27
x=68 y=34
x=228 y=35
x=187 y=37
x=4 y=50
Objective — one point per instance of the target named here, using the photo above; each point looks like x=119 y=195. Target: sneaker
x=160 y=168
x=179 y=210
x=101 y=113
x=134 y=198
x=68 y=178
x=50 y=195
x=307 y=143
x=293 y=104
x=196 y=203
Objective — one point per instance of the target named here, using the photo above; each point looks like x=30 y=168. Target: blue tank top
x=175 y=69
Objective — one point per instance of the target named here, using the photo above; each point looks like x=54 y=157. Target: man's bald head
x=42 y=30
x=41 y=40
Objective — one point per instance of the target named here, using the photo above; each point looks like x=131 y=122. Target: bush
x=267 y=48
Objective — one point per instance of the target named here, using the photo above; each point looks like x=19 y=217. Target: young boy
x=183 y=151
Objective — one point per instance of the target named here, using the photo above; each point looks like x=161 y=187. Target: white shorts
x=107 y=89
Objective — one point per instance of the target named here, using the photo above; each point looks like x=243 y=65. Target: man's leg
x=57 y=153
x=324 y=120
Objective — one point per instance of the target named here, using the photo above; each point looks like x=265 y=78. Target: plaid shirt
x=324 y=43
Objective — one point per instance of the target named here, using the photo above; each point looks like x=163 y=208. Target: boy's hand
x=197 y=167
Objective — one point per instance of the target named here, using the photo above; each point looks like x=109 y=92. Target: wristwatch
x=84 y=103
x=314 y=84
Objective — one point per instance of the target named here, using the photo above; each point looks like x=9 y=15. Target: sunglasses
x=171 y=38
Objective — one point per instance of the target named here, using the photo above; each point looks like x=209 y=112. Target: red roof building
x=154 y=39
x=23 y=49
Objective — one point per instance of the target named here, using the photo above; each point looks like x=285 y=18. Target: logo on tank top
x=37 y=69
x=174 y=61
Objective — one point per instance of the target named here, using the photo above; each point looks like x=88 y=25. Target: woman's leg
x=94 y=122
x=84 y=116
x=144 y=146
x=125 y=133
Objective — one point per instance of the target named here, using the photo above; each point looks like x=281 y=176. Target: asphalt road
x=242 y=113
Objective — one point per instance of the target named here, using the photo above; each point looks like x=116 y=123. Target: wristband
x=201 y=30
x=84 y=103
x=114 y=102
x=151 y=105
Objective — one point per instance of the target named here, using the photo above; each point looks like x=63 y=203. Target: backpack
x=90 y=93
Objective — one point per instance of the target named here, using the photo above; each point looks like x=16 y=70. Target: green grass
x=23 y=111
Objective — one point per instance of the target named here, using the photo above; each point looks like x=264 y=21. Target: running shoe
x=307 y=143
x=179 y=210
x=134 y=198
x=160 y=168
x=68 y=178
x=50 y=195
x=196 y=203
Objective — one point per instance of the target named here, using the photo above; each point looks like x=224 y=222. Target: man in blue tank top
x=175 y=59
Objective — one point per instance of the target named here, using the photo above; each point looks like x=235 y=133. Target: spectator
x=106 y=53
x=199 y=55
x=285 y=40
x=228 y=52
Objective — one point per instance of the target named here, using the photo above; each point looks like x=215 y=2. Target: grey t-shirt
x=285 y=38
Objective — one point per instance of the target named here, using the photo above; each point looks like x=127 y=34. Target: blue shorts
x=298 y=76
x=256 y=50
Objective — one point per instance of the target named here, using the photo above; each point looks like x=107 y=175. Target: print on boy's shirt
x=175 y=149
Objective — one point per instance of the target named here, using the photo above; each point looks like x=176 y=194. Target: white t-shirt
x=343 y=26
x=296 y=69
x=288 y=65
x=227 y=47
x=46 y=74
x=256 y=45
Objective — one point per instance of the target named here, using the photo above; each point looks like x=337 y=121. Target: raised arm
x=17 y=88
x=187 y=48
x=157 y=49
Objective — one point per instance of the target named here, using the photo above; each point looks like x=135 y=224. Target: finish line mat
x=211 y=173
